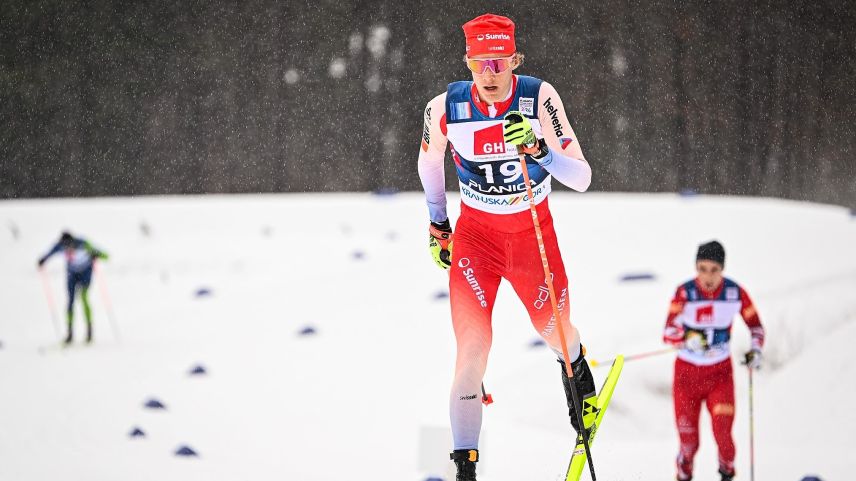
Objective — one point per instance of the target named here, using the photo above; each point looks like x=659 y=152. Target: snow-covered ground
x=358 y=399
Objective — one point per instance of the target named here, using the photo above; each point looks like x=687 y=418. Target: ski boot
x=685 y=468
x=584 y=385
x=89 y=333
x=726 y=476
x=465 y=461
x=69 y=337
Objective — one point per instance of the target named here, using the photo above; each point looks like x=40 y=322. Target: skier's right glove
x=440 y=243
x=695 y=341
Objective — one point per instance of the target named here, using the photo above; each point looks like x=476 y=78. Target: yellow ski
x=578 y=458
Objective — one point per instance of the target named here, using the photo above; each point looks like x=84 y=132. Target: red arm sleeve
x=673 y=333
x=753 y=322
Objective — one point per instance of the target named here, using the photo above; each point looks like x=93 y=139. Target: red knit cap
x=489 y=33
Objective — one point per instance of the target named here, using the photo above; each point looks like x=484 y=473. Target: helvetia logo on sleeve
x=554 y=117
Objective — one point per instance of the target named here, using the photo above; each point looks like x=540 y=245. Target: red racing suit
x=705 y=376
x=494 y=237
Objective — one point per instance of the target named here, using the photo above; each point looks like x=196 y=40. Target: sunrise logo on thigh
x=470 y=276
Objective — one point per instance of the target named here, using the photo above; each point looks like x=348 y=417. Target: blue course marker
x=154 y=404
x=185 y=450
x=637 y=276
x=198 y=370
x=307 y=331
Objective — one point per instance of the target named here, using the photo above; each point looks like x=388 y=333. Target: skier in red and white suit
x=494 y=236
x=699 y=324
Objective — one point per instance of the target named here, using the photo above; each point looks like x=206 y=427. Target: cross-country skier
x=699 y=324
x=494 y=236
x=80 y=257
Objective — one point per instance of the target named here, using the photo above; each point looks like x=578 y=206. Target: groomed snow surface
x=365 y=396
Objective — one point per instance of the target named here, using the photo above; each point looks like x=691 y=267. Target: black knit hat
x=711 y=251
x=66 y=238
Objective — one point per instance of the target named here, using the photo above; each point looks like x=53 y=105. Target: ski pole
x=105 y=299
x=633 y=357
x=751 y=429
x=46 y=287
x=548 y=278
x=487 y=399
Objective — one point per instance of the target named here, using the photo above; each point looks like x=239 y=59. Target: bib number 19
x=510 y=171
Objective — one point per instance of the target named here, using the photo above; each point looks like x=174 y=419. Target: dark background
x=109 y=98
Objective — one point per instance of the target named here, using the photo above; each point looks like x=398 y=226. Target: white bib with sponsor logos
x=489 y=170
x=712 y=318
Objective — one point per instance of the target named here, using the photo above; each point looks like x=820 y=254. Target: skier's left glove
x=440 y=243
x=752 y=359
x=517 y=130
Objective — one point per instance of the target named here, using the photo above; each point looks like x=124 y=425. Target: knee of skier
x=722 y=410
